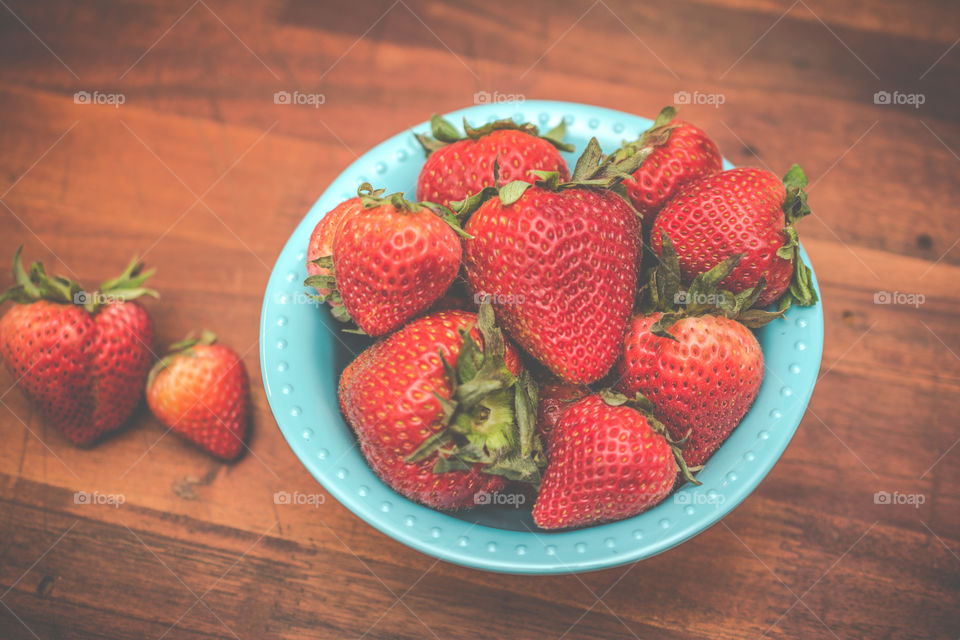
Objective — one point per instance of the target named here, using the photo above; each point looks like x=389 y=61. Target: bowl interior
x=303 y=351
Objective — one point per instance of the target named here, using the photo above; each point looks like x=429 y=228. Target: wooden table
x=201 y=172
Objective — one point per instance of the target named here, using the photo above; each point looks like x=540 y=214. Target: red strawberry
x=558 y=262
x=201 y=391
x=553 y=398
x=459 y=167
x=606 y=463
x=80 y=358
x=700 y=384
x=392 y=261
x=681 y=154
x=436 y=411
x=748 y=211
x=321 y=246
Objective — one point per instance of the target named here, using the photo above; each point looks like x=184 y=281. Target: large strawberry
x=391 y=261
x=681 y=154
x=80 y=358
x=458 y=167
x=442 y=410
x=695 y=362
x=320 y=251
x=607 y=462
x=748 y=211
x=200 y=390
x=559 y=261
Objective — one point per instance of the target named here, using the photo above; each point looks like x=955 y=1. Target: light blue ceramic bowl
x=302 y=352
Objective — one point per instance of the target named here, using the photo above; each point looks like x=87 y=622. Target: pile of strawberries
x=587 y=334
x=85 y=361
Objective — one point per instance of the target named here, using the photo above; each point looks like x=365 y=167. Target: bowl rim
x=736 y=484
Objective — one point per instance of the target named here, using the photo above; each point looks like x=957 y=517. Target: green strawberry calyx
x=663 y=291
x=644 y=407
x=593 y=170
x=490 y=416
x=181 y=349
x=36 y=284
x=795 y=207
x=656 y=136
x=444 y=133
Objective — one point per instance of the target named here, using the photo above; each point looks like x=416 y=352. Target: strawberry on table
x=200 y=390
x=80 y=358
x=608 y=461
x=559 y=260
x=681 y=154
x=443 y=411
x=391 y=261
x=458 y=167
x=748 y=211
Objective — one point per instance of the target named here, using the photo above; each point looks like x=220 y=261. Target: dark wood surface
x=200 y=171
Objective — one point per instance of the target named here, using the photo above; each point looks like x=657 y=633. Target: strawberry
x=459 y=167
x=681 y=154
x=748 y=211
x=321 y=247
x=200 y=390
x=700 y=384
x=553 y=398
x=442 y=409
x=696 y=363
x=80 y=358
x=558 y=261
x=607 y=462
x=391 y=261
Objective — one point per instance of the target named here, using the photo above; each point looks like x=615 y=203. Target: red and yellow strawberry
x=742 y=211
x=681 y=153
x=442 y=410
x=80 y=358
x=200 y=390
x=458 y=167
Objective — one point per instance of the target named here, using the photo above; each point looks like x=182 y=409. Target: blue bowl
x=303 y=350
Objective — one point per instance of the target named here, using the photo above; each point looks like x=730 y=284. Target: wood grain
x=200 y=171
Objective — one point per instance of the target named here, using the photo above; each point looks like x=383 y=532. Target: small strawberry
x=200 y=390
x=442 y=410
x=391 y=261
x=697 y=365
x=459 y=167
x=321 y=247
x=748 y=211
x=607 y=462
x=681 y=154
x=558 y=260
x=80 y=358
